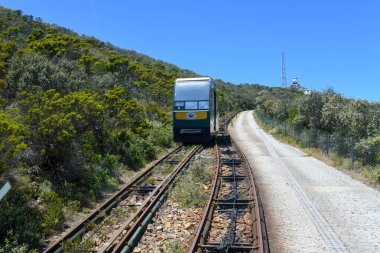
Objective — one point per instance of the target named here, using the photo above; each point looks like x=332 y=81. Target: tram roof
x=196 y=79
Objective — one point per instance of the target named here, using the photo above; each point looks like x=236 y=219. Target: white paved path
x=309 y=206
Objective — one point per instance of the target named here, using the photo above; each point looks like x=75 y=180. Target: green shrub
x=11 y=244
x=188 y=191
x=19 y=214
x=76 y=246
x=199 y=171
x=274 y=131
x=292 y=114
x=304 y=144
x=12 y=143
x=337 y=161
x=71 y=208
x=52 y=215
x=368 y=150
x=174 y=247
x=149 y=150
x=135 y=156
x=161 y=136
x=374 y=176
x=168 y=169
x=151 y=181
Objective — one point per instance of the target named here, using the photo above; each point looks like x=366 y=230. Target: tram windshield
x=192 y=91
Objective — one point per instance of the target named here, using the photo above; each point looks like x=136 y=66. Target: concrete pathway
x=309 y=206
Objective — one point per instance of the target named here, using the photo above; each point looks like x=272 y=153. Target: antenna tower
x=283 y=71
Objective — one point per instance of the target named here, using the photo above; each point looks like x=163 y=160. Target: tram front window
x=191 y=105
x=203 y=105
x=192 y=91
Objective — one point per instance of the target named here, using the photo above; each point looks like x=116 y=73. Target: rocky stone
x=213 y=234
x=150 y=228
x=240 y=227
x=187 y=225
x=137 y=249
x=186 y=234
x=96 y=241
x=247 y=231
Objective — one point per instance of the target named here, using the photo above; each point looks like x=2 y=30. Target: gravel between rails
x=291 y=184
x=175 y=225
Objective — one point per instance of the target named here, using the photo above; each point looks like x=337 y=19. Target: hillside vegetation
x=347 y=130
x=76 y=113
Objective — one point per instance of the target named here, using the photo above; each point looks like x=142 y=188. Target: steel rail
x=261 y=228
x=260 y=243
x=141 y=220
x=205 y=224
x=96 y=216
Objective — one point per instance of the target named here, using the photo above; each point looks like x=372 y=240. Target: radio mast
x=283 y=71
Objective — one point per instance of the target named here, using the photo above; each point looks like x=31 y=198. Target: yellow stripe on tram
x=191 y=115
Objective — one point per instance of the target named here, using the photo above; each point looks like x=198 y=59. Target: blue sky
x=327 y=43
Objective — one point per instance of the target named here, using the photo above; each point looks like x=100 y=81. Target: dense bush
x=20 y=217
x=33 y=69
x=12 y=143
x=74 y=113
x=368 y=150
x=11 y=244
x=330 y=113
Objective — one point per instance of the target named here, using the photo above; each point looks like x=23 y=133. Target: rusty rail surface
x=97 y=215
x=259 y=234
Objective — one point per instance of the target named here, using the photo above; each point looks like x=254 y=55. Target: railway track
x=140 y=189
x=140 y=222
x=233 y=220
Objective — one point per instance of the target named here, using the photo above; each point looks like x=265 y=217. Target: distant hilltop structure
x=295 y=83
x=283 y=71
x=296 y=86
